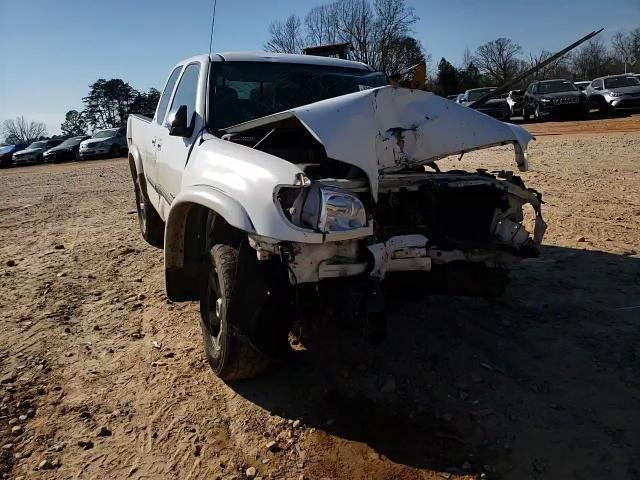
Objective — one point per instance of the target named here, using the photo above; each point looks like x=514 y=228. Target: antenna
x=213 y=22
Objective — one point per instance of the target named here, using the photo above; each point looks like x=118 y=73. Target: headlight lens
x=340 y=211
x=545 y=100
x=615 y=94
x=328 y=209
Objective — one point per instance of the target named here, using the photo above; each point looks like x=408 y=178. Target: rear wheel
x=151 y=225
x=229 y=352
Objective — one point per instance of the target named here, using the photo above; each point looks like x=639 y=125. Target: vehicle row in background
x=66 y=151
x=496 y=107
x=107 y=143
x=559 y=97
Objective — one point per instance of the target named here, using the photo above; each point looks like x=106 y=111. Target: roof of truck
x=281 y=58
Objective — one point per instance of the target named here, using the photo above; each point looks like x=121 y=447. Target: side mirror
x=178 y=123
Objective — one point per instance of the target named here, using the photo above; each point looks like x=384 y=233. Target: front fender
x=205 y=196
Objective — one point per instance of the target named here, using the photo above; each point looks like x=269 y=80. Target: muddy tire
x=151 y=225
x=230 y=354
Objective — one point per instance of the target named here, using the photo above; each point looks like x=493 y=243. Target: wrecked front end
x=370 y=186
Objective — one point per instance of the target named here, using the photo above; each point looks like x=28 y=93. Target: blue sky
x=52 y=50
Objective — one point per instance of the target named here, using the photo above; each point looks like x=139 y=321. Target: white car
x=34 y=153
x=274 y=181
x=104 y=144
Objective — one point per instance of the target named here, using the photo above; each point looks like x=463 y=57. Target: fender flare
x=180 y=271
x=135 y=162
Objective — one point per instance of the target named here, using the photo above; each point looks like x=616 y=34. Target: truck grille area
x=449 y=216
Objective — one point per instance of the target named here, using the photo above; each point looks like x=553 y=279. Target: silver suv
x=614 y=92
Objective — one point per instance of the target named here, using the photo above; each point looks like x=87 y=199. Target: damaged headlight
x=328 y=209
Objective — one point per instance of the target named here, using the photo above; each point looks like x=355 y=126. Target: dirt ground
x=102 y=377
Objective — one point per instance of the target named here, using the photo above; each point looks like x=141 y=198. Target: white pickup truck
x=261 y=174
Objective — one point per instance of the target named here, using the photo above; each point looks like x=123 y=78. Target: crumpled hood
x=388 y=128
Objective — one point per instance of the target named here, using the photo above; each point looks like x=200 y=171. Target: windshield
x=242 y=91
x=37 y=145
x=556 y=86
x=474 y=95
x=618 y=82
x=105 y=133
x=71 y=141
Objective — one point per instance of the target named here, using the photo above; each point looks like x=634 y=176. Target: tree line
x=107 y=105
x=501 y=60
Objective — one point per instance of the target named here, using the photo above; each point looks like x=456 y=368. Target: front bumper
x=625 y=103
x=26 y=160
x=59 y=156
x=96 y=152
x=562 y=109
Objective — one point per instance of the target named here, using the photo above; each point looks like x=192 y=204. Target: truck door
x=149 y=151
x=172 y=151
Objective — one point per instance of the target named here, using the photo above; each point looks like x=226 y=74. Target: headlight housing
x=328 y=209
x=615 y=94
x=545 y=100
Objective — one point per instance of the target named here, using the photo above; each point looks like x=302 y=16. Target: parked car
x=66 y=151
x=271 y=180
x=6 y=154
x=558 y=97
x=515 y=99
x=614 y=92
x=34 y=153
x=496 y=107
x=107 y=143
x=582 y=85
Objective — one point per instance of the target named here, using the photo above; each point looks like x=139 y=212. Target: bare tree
x=19 y=130
x=467 y=58
x=498 y=59
x=285 y=37
x=393 y=23
x=627 y=44
x=592 y=60
x=356 y=24
x=322 y=25
x=379 y=32
x=557 y=69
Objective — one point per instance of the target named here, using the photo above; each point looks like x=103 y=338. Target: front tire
x=525 y=114
x=151 y=225
x=229 y=352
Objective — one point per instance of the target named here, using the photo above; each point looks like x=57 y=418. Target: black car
x=6 y=154
x=66 y=151
x=546 y=98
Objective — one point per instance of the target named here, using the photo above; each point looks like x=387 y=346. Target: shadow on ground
x=541 y=383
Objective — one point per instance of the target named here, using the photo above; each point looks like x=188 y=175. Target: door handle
x=159 y=146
